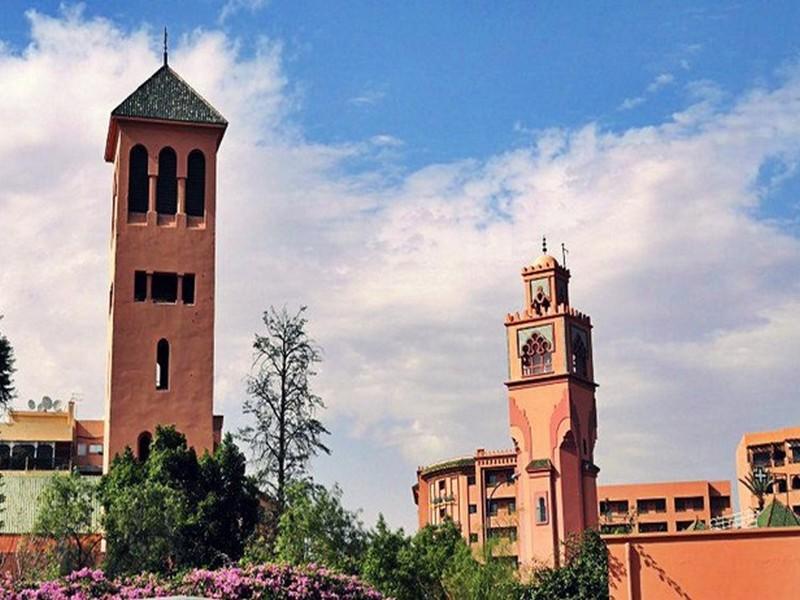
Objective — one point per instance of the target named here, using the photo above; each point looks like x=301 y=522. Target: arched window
x=196 y=184
x=781 y=485
x=796 y=482
x=137 y=180
x=541 y=510
x=23 y=457
x=143 y=445
x=537 y=355
x=167 y=187
x=162 y=365
x=580 y=364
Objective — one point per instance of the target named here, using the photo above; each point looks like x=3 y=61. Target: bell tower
x=552 y=412
x=163 y=141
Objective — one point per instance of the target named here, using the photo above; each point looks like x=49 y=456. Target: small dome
x=545 y=261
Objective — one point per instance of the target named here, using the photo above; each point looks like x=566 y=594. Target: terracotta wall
x=744 y=564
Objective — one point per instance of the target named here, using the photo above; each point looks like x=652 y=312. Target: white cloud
x=368 y=97
x=231 y=7
x=661 y=81
x=408 y=279
x=630 y=103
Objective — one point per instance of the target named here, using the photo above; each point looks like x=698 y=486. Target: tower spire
x=165 y=46
x=544 y=244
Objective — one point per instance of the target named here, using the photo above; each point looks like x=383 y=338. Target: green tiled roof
x=167 y=97
x=776 y=514
x=538 y=464
x=22 y=491
x=456 y=463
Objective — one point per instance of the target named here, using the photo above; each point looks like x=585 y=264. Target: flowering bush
x=269 y=582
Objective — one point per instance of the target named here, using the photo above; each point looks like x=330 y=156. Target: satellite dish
x=57 y=405
x=31 y=404
x=47 y=402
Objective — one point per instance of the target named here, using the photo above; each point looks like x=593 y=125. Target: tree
x=583 y=577
x=174 y=511
x=387 y=563
x=285 y=434
x=316 y=528
x=492 y=578
x=759 y=484
x=64 y=518
x=432 y=550
x=7 y=370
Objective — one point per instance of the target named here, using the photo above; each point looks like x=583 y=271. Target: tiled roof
x=22 y=491
x=165 y=96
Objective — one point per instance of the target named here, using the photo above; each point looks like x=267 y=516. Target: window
x=473 y=538
x=164 y=287
x=143 y=445
x=139 y=286
x=81 y=449
x=652 y=527
x=690 y=503
x=441 y=485
x=188 y=288
x=512 y=507
x=137 y=180
x=473 y=508
x=23 y=457
x=162 y=365
x=95 y=448
x=536 y=355
x=651 y=505
x=196 y=184
x=442 y=513
x=470 y=479
x=541 y=510
x=580 y=363
x=720 y=504
x=780 y=484
x=167 y=185
x=761 y=458
x=796 y=482
x=492 y=508
x=491 y=478
x=796 y=453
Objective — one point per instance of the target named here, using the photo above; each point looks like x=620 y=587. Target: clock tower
x=163 y=141
x=552 y=413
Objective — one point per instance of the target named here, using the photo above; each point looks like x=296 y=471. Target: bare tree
x=285 y=433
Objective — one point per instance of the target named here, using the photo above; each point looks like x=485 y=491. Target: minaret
x=552 y=413
x=163 y=141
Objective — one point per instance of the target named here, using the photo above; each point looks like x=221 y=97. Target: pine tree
x=7 y=392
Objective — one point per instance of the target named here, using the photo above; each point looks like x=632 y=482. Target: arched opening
x=143 y=445
x=167 y=187
x=541 y=510
x=5 y=457
x=781 y=486
x=536 y=355
x=196 y=184
x=44 y=457
x=162 y=365
x=137 y=180
x=580 y=364
x=796 y=482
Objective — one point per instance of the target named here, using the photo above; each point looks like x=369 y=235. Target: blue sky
x=393 y=165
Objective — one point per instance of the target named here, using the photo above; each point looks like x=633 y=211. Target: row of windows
x=44 y=456
x=164 y=287
x=167 y=182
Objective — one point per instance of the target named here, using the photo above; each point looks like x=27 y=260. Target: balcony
x=647 y=506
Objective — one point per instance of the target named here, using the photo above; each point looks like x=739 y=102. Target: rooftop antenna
x=165 y=46
x=564 y=253
x=544 y=245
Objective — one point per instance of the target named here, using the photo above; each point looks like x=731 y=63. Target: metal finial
x=165 y=46
x=564 y=253
x=544 y=245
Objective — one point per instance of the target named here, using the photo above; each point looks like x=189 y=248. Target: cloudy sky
x=393 y=166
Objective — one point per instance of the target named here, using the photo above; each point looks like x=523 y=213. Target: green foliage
x=7 y=369
x=584 y=577
x=64 y=516
x=285 y=433
x=316 y=528
x=174 y=511
x=388 y=563
x=469 y=579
